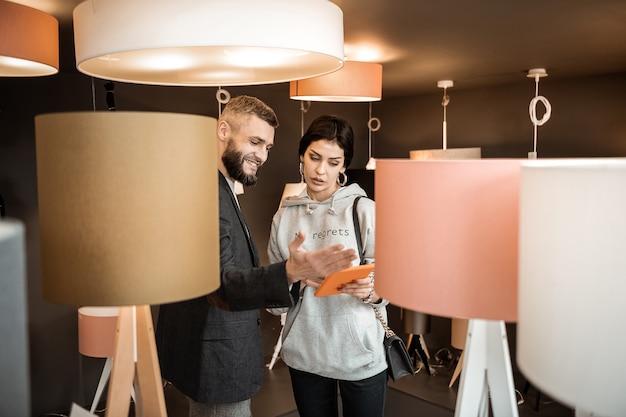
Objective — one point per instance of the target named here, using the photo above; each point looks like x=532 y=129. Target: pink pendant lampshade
x=29 y=41
x=354 y=82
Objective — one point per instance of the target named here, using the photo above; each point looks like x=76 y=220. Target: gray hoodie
x=336 y=336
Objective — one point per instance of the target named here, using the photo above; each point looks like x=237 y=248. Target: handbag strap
x=359 y=242
x=357 y=229
x=379 y=316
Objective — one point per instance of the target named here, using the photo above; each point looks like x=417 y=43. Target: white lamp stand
x=487 y=372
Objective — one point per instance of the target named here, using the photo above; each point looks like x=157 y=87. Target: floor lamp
x=128 y=216
x=572 y=280
x=447 y=245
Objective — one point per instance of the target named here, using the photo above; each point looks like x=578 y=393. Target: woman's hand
x=362 y=288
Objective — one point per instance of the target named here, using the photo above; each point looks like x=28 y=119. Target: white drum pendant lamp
x=208 y=43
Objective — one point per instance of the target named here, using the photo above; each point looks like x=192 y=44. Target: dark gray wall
x=587 y=120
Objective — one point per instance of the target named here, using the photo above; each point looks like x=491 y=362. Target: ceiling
x=475 y=43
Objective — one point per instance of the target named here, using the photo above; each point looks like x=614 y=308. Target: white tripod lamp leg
x=104 y=378
x=487 y=372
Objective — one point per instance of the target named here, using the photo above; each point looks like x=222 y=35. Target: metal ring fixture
x=373 y=124
x=222 y=96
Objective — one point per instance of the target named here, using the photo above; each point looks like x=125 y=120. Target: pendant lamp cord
x=93 y=94
x=223 y=97
x=532 y=110
x=304 y=107
x=373 y=125
x=444 y=102
x=369 y=133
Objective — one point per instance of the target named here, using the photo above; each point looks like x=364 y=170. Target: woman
x=332 y=342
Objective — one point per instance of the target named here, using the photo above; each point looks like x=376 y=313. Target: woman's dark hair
x=333 y=129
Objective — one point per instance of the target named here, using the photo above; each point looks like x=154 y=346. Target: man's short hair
x=247 y=105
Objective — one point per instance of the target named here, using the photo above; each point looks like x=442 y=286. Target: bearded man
x=210 y=348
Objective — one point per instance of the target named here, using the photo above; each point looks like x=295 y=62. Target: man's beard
x=233 y=162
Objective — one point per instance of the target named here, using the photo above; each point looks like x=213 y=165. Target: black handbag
x=398 y=360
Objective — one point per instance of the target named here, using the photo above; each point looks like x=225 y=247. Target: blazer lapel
x=242 y=221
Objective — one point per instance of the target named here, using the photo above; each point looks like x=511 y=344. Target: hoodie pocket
x=326 y=345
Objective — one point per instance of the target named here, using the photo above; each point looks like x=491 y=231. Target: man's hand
x=311 y=267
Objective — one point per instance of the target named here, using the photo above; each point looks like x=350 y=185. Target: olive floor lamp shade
x=96 y=338
x=446 y=244
x=572 y=282
x=128 y=213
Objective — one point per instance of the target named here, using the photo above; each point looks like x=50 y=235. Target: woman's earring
x=301 y=171
x=344 y=180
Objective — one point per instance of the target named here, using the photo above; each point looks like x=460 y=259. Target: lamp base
x=135 y=361
x=487 y=372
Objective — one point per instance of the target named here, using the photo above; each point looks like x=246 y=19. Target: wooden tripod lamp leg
x=150 y=400
x=135 y=331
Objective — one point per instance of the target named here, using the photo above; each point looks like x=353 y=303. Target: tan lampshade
x=356 y=81
x=447 y=236
x=128 y=207
x=570 y=337
x=96 y=331
x=208 y=43
x=29 y=41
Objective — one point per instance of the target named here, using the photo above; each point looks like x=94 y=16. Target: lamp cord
x=369 y=132
x=304 y=107
x=444 y=102
x=373 y=125
x=532 y=110
x=223 y=97
x=93 y=94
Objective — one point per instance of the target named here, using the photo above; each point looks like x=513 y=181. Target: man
x=210 y=348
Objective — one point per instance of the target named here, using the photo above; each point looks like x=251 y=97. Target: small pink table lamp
x=446 y=244
x=96 y=338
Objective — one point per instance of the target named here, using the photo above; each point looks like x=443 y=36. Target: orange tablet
x=331 y=282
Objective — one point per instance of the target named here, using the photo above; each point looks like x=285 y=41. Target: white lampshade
x=29 y=41
x=355 y=82
x=572 y=281
x=208 y=43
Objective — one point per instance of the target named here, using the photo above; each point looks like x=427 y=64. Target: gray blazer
x=210 y=347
